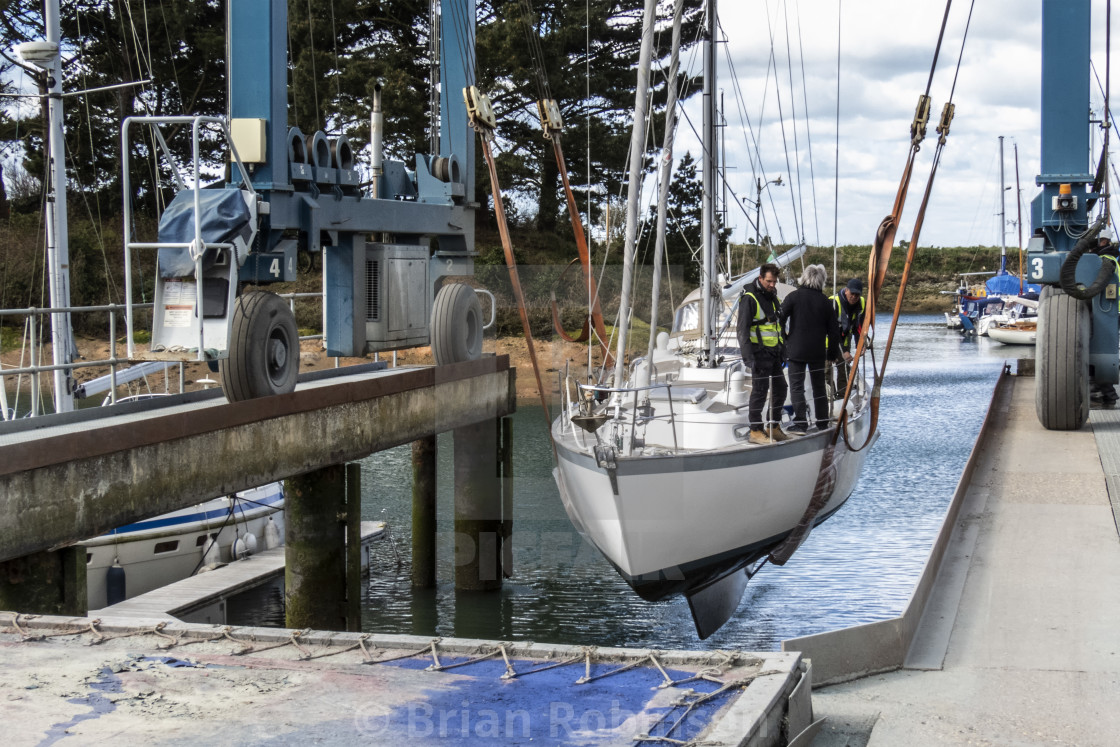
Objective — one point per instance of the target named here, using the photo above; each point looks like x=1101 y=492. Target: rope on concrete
x=23 y=634
x=351 y=647
x=511 y=673
x=437 y=667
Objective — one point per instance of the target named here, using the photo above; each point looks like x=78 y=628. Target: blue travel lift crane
x=1077 y=340
x=392 y=260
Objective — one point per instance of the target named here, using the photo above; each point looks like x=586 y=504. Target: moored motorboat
x=1020 y=332
x=137 y=558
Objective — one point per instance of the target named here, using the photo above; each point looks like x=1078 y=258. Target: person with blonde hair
x=812 y=339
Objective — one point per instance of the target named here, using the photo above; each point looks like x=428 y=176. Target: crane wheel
x=1062 y=366
x=263 y=350
x=456 y=324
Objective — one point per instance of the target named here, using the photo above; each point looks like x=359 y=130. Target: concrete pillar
x=45 y=583
x=315 y=558
x=506 y=440
x=478 y=508
x=424 y=513
x=354 y=547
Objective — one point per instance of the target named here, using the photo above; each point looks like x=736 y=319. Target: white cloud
x=887 y=48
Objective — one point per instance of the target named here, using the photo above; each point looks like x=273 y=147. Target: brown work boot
x=777 y=434
x=758 y=436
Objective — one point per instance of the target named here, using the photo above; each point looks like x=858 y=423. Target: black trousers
x=766 y=377
x=816 y=371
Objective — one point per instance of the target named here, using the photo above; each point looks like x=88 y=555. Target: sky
x=886 y=49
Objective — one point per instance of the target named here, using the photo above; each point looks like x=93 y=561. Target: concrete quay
x=157 y=682
x=1019 y=643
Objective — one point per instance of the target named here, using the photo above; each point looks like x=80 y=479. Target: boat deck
x=1020 y=641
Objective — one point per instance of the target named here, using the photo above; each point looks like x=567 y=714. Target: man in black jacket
x=812 y=338
x=761 y=342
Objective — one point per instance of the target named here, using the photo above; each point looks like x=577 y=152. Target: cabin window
x=688 y=317
x=163 y=547
x=200 y=541
x=89 y=558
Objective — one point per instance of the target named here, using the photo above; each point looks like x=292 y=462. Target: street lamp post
x=758 y=206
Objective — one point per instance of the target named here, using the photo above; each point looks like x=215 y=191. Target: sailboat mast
x=1002 y=214
x=58 y=254
x=709 y=180
x=637 y=148
x=1019 y=218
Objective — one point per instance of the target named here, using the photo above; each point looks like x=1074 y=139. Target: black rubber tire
x=1062 y=367
x=263 y=350
x=456 y=325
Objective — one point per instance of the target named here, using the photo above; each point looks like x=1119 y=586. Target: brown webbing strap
x=596 y=312
x=877 y=272
x=832 y=456
x=511 y=264
x=585 y=333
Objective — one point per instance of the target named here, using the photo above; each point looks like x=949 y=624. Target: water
x=858 y=567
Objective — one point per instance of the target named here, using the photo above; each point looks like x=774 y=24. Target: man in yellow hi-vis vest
x=850 y=308
x=763 y=349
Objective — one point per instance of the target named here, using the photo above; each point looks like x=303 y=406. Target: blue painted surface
x=456 y=70
x=98 y=700
x=474 y=706
x=258 y=78
x=1065 y=115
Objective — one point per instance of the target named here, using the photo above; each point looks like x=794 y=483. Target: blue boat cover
x=1007 y=284
x=224 y=216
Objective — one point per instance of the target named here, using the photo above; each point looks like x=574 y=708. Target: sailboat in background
x=654 y=465
x=1004 y=299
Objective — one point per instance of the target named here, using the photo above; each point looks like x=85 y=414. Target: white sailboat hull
x=670 y=524
x=170 y=547
x=1014 y=336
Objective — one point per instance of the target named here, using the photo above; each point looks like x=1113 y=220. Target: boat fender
x=213 y=555
x=738 y=394
x=114 y=584
x=251 y=542
x=662 y=340
x=271 y=535
x=240 y=549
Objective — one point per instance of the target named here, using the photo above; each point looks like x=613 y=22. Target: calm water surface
x=858 y=567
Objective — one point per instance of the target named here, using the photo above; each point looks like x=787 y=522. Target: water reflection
x=858 y=567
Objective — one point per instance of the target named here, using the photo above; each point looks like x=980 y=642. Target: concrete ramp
x=1019 y=642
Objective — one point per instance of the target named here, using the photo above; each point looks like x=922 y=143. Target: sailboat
x=136 y=558
x=654 y=466
x=1005 y=300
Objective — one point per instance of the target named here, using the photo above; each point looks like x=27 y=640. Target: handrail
x=113 y=362
x=197 y=247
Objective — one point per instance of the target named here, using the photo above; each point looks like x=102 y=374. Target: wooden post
x=45 y=583
x=424 y=513
x=506 y=426
x=315 y=566
x=354 y=547
x=478 y=508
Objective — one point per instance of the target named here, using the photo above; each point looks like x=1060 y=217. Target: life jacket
x=767 y=332
x=847 y=333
